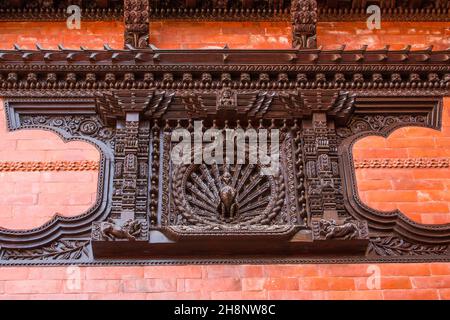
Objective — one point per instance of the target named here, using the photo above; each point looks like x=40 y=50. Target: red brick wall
x=207 y=35
x=407 y=281
x=423 y=194
x=238 y=35
x=92 y=35
x=395 y=34
x=29 y=199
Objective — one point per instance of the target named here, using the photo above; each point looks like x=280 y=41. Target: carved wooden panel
x=214 y=10
x=153 y=210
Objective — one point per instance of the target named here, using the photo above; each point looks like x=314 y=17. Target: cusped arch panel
x=82 y=126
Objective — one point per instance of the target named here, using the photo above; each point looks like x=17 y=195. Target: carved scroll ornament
x=152 y=210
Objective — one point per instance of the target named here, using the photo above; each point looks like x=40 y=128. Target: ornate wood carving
x=137 y=24
x=29 y=166
x=304 y=19
x=128 y=102
x=213 y=10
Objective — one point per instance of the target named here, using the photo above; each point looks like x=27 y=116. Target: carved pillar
x=131 y=168
x=136 y=19
x=128 y=219
x=323 y=183
x=304 y=19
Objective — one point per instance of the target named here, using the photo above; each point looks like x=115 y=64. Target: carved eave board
x=241 y=10
x=149 y=209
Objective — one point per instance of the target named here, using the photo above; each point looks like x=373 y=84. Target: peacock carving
x=226 y=195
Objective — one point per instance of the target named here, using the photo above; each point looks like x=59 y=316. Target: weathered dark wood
x=127 y=103
x=213 y=10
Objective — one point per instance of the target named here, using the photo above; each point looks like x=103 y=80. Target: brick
x=254 y=295
x=405 y=184
x=65 y=199
x=217 y=271
x=175 y=296
x=407 y=269
x=392 y=196
x=295 y=295
x=116 y=273
x=365 y=185
x=423 y=207
x=354 y=295
x=14 y=273
x=14 y=297
x=248 y=271
x=291 y=270
x=431 y=282
x=218 y=284
x=319 y=283
x=149 y=285
x=117 y=296
x=418 y=294
x=444 y=294
x=226 y=295
x=430 y=218
x=253 y=284
x=18 y=199
x=281 y=284
x=173 y=272
x=57 y=296
x=33 y=286
x=66 y=176
x=52 y=273
x=385 y=283
x=343 y=270
x=440 y=268
x=97 y=286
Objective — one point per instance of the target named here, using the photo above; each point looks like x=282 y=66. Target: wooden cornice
x=226 y=56
x=328 y=10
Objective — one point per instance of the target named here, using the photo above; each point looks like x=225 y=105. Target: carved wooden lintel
x=151 y=208
x=213 y=10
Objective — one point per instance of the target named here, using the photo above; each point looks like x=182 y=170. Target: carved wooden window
x=151 y=210
x=127 y=102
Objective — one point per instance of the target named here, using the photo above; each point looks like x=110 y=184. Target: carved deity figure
x=228 y=206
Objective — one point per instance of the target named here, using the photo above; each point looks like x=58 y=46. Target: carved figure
x=331 y=230
x=228 y=206
x=111 y=231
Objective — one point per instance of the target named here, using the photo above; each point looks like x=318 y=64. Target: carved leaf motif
x=60 y=250
x=392 y=246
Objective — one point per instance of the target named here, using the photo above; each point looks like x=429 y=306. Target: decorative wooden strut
x=304 y=20
x=153 y=210
x=137 y=24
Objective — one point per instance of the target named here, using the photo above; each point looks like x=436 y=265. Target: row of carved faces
x=57 y=4
x=109 y=78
